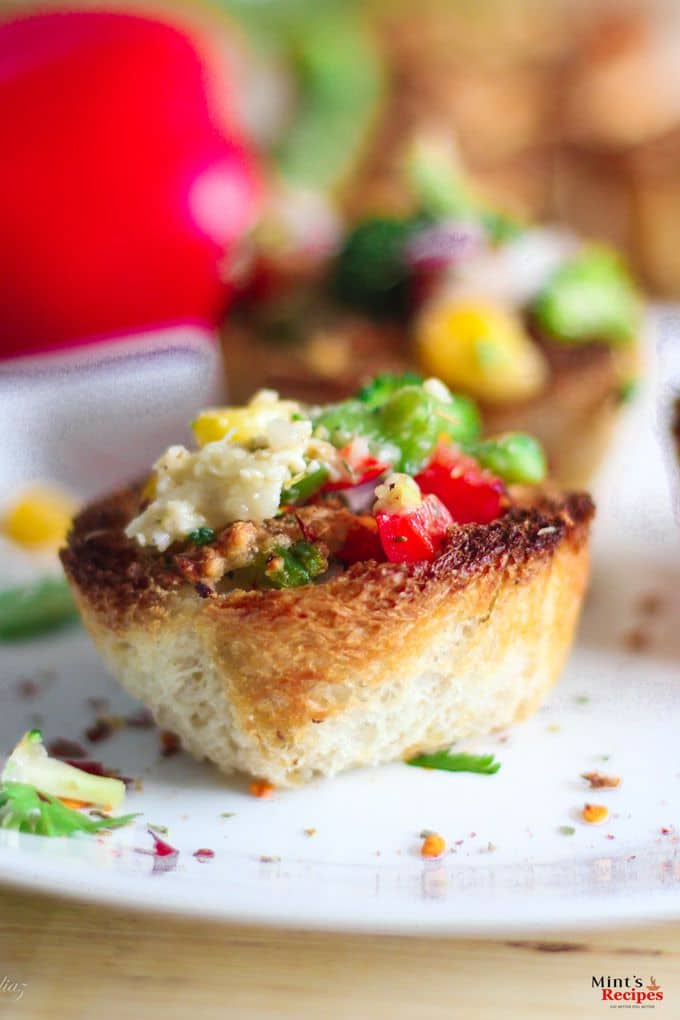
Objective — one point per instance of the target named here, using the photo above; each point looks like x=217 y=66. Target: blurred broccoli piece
x=371 y=272
x=443 y=191
x=591 y=297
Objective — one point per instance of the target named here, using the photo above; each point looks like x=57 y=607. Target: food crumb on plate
x=433 y=846
x=204 y=854
x=261 y=788
x=170 y=743
x=103 y=727
x=636 y=640
x=598 y=780
x=594 y=813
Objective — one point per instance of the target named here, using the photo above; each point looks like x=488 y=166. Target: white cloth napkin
x=94 y=417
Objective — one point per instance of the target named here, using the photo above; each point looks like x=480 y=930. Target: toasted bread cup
x=377 y=663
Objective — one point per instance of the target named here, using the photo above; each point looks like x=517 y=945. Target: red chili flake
x=101 y=729
x=599 y=781
x=62 y=747
x=305 y=530
x=170 y=743
x=636 y=640
x=141 y=720
x=27 y=688
x=160 y=847
x=96 y=768
x=666 y=830
x=204 y=854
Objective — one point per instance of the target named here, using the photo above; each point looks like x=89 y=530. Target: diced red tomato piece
x=362 y=542
x=360 y=467
x=410 y=537
x=469 y=493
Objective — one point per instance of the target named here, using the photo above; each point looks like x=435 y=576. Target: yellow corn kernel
x=480 y=348
x=41 y=516
x=215 y=423
x=242 y=423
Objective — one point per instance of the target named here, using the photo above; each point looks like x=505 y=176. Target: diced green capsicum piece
x=305 y=487
x=293 y=567
x=381 y=387
x=517 y=458
x=591 y=297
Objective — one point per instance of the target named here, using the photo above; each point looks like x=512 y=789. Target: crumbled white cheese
x=437 y=389
x=224 y=481
x=398 y=494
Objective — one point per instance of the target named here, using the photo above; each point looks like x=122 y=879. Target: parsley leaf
x=201 y=536
x=446 y=761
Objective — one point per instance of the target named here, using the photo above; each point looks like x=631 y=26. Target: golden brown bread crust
x=294 y=683
x=118 y=577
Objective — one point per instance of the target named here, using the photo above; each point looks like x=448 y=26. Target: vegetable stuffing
x=403 y=461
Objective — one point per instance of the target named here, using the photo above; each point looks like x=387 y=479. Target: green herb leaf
x=566 y=830
x=23 y=809
x=35 y=609
x=447 y=761
x=201 y=536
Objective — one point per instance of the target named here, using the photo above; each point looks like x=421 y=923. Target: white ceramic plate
x=510 y=868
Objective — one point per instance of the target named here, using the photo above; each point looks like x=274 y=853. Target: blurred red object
x=121 y=186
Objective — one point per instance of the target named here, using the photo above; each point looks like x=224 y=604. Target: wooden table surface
x=78 y=961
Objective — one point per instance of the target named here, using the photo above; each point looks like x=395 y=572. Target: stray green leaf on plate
x=447 y=761
x=36 y=608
